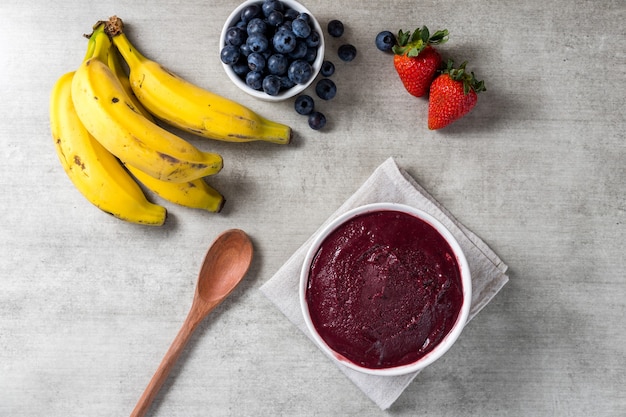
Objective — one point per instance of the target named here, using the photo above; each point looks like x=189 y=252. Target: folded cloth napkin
x=389 y=183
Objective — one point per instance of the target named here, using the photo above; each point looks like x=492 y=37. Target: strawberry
x=452 y=95
x=416 y=61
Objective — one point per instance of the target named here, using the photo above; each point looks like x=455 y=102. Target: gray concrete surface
x=88 y=304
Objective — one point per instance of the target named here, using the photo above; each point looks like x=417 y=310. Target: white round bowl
x=285 y=94
x=444 y=345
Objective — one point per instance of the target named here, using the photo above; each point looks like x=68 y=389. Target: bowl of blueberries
x=272 y=49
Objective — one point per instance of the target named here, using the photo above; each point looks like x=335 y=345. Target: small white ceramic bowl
x=293 y=91
x=445 y=344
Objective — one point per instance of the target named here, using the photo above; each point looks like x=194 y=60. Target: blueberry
x=256 y=62
x=317 y=120
x=275 y=18
x=300 y=50
x=347 y=52
x=245 y=49
x=250 y=12
x=257 y=43
x=254 y=80
x=385 y=40
x=284 y=41
x=304 y=105
x=241 y=67
x=313 y=40
x=301 y=28
x=271 y=85
x=291 y=14
x=326 y=89
x=270 y=6
x=286 y=82
x=311 y=55
x=235 y=36
x=287 y=25
x=230 y=54
x=256 y=26
x=335 y=28
x=277 y=64
x=328 y=69
x=300 y=71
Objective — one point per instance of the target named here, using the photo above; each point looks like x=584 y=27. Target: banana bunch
x=107 y=139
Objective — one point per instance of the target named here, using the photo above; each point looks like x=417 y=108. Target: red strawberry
x=416 y=61
x=452 y=95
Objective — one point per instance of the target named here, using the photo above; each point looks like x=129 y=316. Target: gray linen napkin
x=389 y=183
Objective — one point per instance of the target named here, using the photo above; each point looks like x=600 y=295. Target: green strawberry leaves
x=411 y=44
x=467 y=78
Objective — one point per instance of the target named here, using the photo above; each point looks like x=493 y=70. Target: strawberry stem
x=468 y=78
x=411 y=44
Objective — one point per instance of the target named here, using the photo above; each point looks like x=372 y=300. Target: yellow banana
x=189 y=107
x=108 y=113
x=96 y=173
x=116 y=66
x=193 y=194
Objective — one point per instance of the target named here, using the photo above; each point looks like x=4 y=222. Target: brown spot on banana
x=79 y=162
x=168 y=158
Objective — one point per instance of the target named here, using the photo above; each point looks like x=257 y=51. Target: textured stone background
x=88 y=304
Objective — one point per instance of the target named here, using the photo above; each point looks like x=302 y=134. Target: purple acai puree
x=384 y=289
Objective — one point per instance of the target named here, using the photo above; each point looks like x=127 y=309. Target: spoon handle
x=167 y=363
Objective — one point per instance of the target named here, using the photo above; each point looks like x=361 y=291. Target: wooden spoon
x=224 y=266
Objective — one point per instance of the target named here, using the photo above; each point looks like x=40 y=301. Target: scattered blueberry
x=304 y=104
x=271 y=85
x=328 y=69
x=300 y=71
x=347 y=52
x=335 y=28
x=385 y=40
x=326 y=89
x=317 y=120
x=230 y=54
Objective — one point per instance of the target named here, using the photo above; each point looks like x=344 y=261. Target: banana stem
x=91 y=46
x=102 y=44
x=115 y=29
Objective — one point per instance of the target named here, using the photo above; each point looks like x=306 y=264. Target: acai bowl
x=385 y=289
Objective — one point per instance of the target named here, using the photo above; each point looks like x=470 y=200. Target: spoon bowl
x=225 y=264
